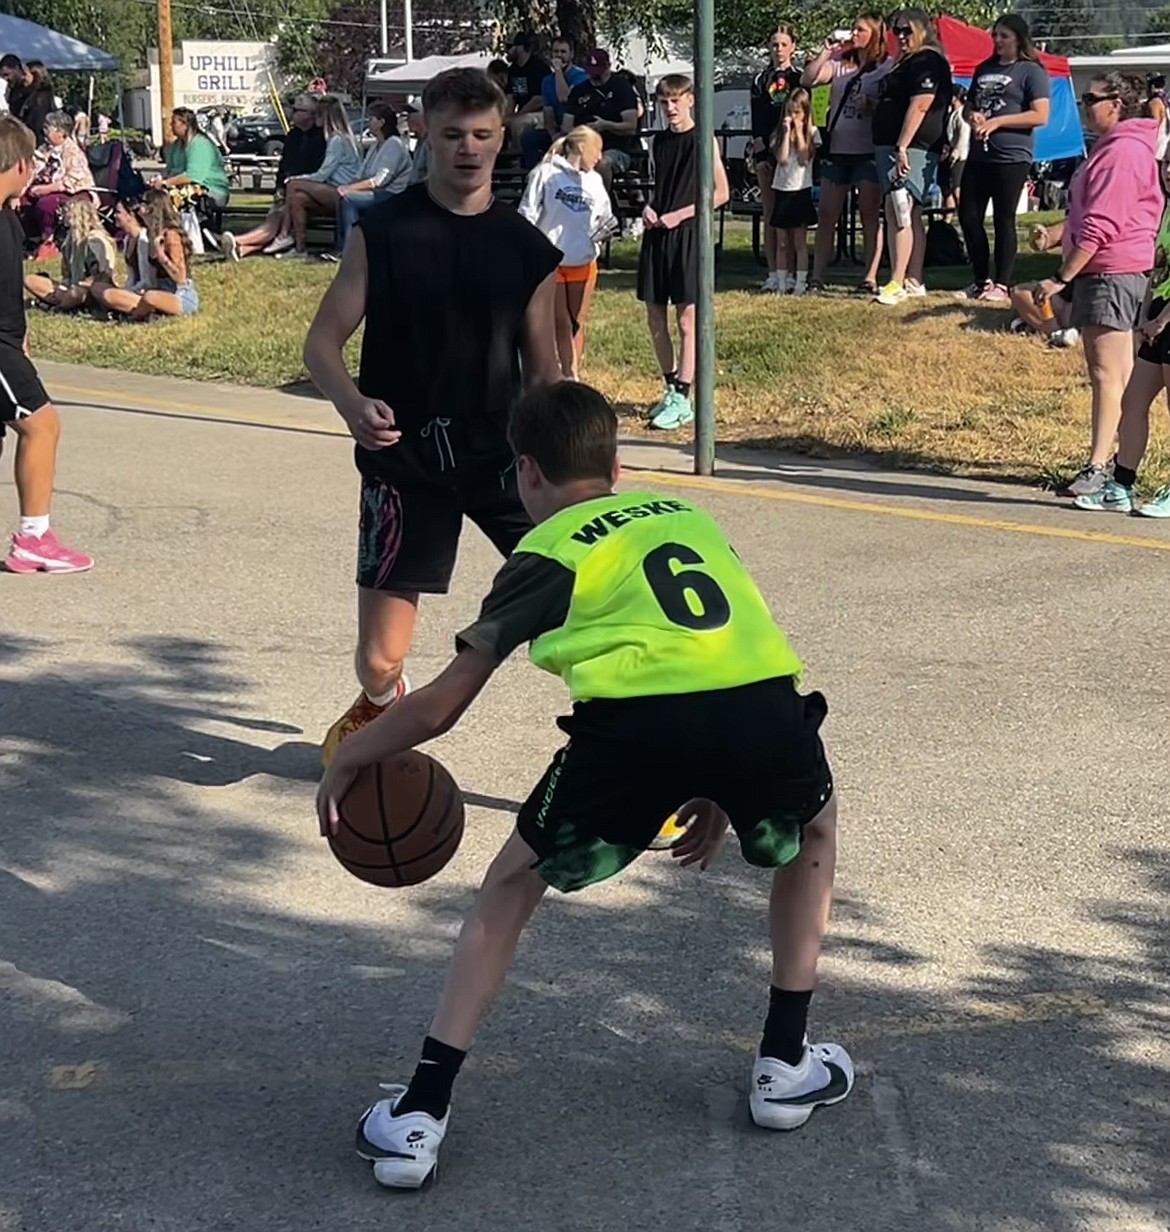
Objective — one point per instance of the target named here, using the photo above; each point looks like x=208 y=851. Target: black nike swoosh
x=838 y=1085
x=370 y=1150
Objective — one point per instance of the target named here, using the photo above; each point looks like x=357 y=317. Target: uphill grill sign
x=223 y=74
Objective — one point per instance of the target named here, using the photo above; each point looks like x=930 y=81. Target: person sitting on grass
x=135 y=245
x=88 y=256
x=1051 y=319
x=302 y=153
x=317 y=192
x=169 y=257
x=566 y=201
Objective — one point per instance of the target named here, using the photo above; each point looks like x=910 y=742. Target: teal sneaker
x=677 y=413
x=661 y=404
x=1111 y=497
x=1158 y=506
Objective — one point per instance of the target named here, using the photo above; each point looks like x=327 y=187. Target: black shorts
x=408 y=535
x=1158 y=351
x=755 y=750
x=21 y=391
x=668 y=266
x=793 y=211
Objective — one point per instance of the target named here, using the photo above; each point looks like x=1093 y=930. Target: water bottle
x=900 y=196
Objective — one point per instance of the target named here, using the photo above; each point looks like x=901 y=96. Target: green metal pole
x=704 y=221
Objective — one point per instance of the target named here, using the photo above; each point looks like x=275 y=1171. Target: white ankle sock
x=384 y=699
x=34 y=526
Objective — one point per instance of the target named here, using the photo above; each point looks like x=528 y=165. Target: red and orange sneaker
x=362 y=711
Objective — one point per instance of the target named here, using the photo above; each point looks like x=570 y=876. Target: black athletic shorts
x=755 y=750
x=21 y=391
x=408 y=535
x=668 y=265
x=1158 y=351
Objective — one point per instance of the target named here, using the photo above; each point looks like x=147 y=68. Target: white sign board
x=213 y=73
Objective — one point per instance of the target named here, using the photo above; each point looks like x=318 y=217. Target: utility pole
x=166 y=67
x=704 y=389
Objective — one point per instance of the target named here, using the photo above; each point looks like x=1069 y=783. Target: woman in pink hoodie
x=1107 y=242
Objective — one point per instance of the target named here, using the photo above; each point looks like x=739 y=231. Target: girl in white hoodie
x=566 y=199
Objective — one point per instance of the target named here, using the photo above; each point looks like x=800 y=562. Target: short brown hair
x=1129 y=89
x=464 y=89
x=675 y=85
x=17 y=144
x=568 y=429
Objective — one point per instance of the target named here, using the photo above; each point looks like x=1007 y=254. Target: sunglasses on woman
x=903 y=31
x=1090 y=99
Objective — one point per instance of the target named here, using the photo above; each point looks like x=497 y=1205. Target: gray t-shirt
x=851 y=103
x=1006 y=90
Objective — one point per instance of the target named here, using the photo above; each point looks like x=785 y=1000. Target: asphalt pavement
x=196 y=1001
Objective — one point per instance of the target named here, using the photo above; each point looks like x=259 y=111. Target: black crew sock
x=683 y=387
x=430 y=1088
x=1123 y=475
x=785 y=1026
x=670 y=378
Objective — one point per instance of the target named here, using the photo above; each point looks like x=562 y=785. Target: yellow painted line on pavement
x=975 y=1015
x=165 y=409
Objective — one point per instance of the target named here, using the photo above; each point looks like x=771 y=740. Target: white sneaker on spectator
x=915 y=289
x=1062 y=339
x=282 y=243
x=891 y=293
x=295 y=255
x=994 y=293
x=227 y=242
x=800 y=285
x=1019 y=326
x=771 y=284
x=787 y=284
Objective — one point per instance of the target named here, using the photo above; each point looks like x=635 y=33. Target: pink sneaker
x=30 y=553
x=995 y=293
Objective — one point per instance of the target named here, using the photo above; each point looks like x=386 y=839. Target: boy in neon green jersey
x=685 y=710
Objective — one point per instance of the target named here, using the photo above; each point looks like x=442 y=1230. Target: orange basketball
x=400 y=822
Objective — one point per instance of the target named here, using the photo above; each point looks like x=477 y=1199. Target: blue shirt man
x=554 y=91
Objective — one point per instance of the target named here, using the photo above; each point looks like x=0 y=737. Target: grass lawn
x=934 y=383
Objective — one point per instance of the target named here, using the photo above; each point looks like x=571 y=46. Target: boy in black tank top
x=458 y=296
x=668 y=268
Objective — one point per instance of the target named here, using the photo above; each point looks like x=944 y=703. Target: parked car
x=256 y=134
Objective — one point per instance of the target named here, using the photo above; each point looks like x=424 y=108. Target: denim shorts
x=848 y=170
x=923 y=171
x=188 y=297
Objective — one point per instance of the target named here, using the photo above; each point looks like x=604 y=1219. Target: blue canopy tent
x=1063 y=136
x=59 y=52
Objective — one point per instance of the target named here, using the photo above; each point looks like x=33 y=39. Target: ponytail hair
x=573 y=142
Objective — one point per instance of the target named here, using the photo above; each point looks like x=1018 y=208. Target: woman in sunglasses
x=1107 y=245
x=909 y=131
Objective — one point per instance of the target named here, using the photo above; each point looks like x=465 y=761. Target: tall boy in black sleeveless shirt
x=458 y=298
x=668 y=268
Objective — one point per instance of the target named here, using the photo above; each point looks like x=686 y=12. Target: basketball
x=400 y=822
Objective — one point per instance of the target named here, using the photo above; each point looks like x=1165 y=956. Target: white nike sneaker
x=784 y=1096
x=403 y=1149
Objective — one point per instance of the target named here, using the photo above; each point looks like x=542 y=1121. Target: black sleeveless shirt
x=676 y=172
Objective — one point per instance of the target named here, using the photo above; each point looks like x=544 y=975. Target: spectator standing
x=608 y=103
x=793 y=211
x=39 y=100
x=1008 y=100
x=1107 y=241
x=81 y=127
x=385 y=172
x=566 y=200
x=909 y=128
x=24 y=405
x=526 y=73
x=668 y=266
x=769 y=96
x=854 y=71
x=958 y=149
x=1150 y=377
x=1157 y=110
x=303 y=153
x=554 y=94
x=17 y=85
x=65 y=173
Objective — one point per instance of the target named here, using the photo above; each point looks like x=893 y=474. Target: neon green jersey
x=1160 y=282
x=660 y=603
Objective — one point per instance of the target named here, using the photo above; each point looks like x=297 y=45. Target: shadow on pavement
x=217 y=1043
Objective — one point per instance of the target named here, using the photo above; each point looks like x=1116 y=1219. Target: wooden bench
x=252 y=170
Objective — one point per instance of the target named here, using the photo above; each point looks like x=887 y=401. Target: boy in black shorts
x=685 y=712
x=668 y=268
x=24 y=405
x=458 y=294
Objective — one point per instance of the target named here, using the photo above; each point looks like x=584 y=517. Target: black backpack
x=943 y=245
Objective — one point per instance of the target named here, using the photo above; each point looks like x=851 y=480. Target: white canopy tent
x=59 y=52
x=389 y=76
